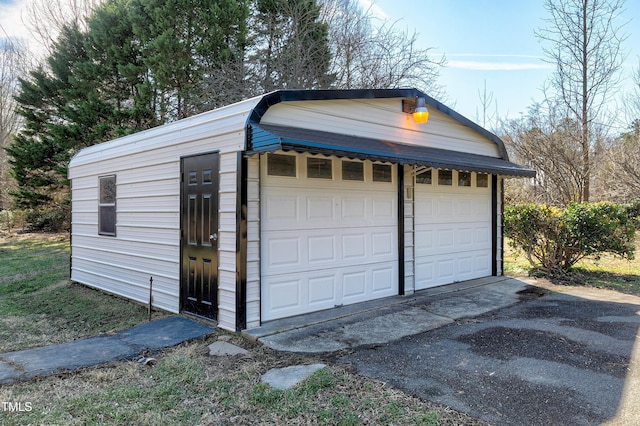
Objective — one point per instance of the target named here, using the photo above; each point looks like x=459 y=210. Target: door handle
x=213 y=237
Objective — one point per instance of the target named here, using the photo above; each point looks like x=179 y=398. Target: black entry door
x=199 y=241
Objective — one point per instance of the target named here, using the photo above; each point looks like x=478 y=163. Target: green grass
x=607 y=272
x=188 y=388
x=40 y=306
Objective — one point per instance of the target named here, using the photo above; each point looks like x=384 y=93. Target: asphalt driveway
x=534 y=355
x=560 y=359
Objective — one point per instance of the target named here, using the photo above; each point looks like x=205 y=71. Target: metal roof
x=270 y=138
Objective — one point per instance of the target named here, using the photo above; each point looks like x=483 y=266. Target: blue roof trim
x=270 y=138
x=278 y=96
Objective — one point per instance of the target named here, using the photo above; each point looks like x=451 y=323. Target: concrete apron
x=384 y=320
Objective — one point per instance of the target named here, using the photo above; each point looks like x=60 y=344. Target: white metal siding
x=147 y=169
x=381 y=119
x=253 y=242
x=409 y=240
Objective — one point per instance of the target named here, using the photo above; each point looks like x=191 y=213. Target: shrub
x=12 y=219
x=633 y=211
x=48 y=219
x=7 y=220
x=555 y=239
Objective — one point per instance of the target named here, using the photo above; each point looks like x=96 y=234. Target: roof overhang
x=271 y=138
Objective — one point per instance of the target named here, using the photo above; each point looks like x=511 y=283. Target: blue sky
x=492 y=41
x=484 y=41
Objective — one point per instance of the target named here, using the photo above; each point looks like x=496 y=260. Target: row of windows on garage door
x=329 y=231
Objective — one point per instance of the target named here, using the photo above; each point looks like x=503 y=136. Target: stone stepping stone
x=287 y=377
x=221 y=348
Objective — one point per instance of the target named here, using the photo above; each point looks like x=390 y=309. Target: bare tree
x=365 y=55
x=489 y=120
x=541 y=140
x=45 y=18
x=13 y=64
x=584 y=40
x=619 y=174
x=288 y=48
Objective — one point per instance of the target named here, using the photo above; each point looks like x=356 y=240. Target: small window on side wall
x=482 y=180
x=107 y=206
x=281 y=165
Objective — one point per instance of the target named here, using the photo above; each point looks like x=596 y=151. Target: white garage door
x=328 y=233
x=452 y=227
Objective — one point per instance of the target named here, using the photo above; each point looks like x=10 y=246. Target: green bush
x=48 y=219
x=633 y=211
x=555 y=239
x=7 y=220
x=12 y=219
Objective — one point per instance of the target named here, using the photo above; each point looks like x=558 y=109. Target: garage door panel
x=336 y=245
x=322 y=290
x=445 y=208
x=354 y=246
x=465 y=237
x=483 y=236
x=482 y=261
x=453 y=234
x=466 y=265
x=354 y=208
x=382 y=245
x=321 y=248
x=384 y=210
x=354 y=285
x=445 y=239
x=290 y=252
x=284 y=251
x=383 y=279
x=425 y=272
x=285 y=294
x=320 y=209
x=281 y=210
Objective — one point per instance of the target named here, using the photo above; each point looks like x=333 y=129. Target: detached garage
x=289 y=203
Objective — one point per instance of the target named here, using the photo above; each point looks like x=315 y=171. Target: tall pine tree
x=141 y=63
x=289 y=48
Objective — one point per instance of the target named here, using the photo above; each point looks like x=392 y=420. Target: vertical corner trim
x=401 y=272
x=494 y=225
x=241 y=243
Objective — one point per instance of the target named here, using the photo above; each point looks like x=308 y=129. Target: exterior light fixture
x=417 y=108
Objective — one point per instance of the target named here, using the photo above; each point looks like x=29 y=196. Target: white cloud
x=11 y=20
x=495 y=62
x=496 y=66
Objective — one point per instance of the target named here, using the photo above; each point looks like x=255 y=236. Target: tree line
x=115 y=67
x=571 y=138
x=121 y=66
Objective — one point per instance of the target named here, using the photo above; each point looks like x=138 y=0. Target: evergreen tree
x=140 y=63
x=40 y=152
x=183 y=42
x=289 y=46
